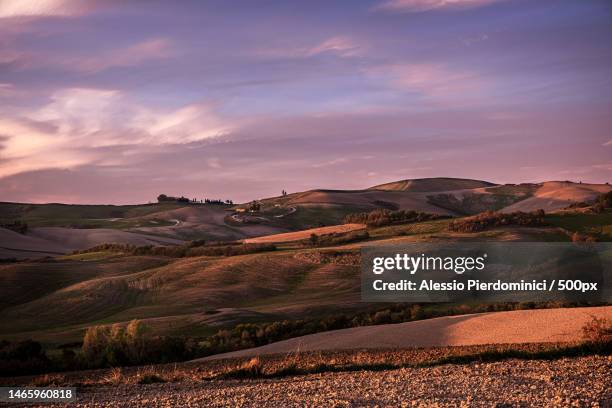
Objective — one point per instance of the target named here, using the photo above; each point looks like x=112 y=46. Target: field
x=512 y=375
x=297 y=296
x=597 y=224
x=519 y=326
x=305 y=234
x=56 y=299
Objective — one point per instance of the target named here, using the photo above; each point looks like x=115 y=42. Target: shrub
x=150 y=379
x=22 y=357
x=490 y=219
x=605 y=200
x=578 y=237
x=597 y=331
x=337 y=238
x=382 y=217
x=105 y=346
x=196 y=248
x=18 y=226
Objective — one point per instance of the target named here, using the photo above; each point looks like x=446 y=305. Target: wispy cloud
x=435 y=82
x=608 y=143
x=132 y=55
x=77 y=124
x=328 y=163
x=603 y=166
x=341 y=46
x=416 y=6
x=42 y=8
x=126 y=56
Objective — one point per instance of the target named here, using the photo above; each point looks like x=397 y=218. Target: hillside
x=429 y=185
x=555 y=195
x=520 y=326
x=58 y=228
x=54 y=300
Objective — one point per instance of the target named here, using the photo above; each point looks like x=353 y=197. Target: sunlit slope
x=519 y=326
x=428 y=185
x=555 y=195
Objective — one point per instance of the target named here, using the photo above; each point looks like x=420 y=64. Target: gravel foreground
x=584 y=381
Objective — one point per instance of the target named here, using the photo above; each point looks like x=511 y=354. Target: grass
x=257 y=368
x=472 y=203
x=597 y=224
x=307 y=363
x=84 y=216
x=53 y=301
x=426 y=227
x=313 y=216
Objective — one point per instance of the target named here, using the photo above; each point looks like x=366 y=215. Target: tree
x=162 y=198
x=254 y=206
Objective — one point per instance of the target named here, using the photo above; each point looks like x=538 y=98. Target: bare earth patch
x=583 y=381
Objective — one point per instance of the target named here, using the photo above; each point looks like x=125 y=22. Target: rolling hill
x=54 y=300
x=58 y=228
x=518 y=326
x=428 y=185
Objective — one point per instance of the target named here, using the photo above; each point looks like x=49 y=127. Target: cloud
x=341 y=46
x=434 y=82
x=416 y=6
x=608 y=143
x=41 y=8
x=127 y=56
x=603 y=166
x=132 y=55
x=328 y=163
x=78 y=126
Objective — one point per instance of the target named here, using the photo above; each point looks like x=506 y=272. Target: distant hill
x=432 y=185
x=61 y=228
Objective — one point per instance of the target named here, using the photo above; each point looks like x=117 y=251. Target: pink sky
x=116 y=102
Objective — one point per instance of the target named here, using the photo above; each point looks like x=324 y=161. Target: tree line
x=163 y=198
x=383 y=217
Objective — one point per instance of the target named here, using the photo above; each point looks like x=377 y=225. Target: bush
x=382 y=217
x=598 y=331
x=22 y=357
x=490 y=219
x=20 y=227
x=605 y=200
x=337 y=238
x=105 y=346
x=195 y=248
x=578 y=237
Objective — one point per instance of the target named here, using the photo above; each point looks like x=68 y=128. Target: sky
x=110 y=101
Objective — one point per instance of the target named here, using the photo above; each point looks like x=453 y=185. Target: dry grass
x=301 y=363
x=47 y=380
x=115 y=376
x=598 y=330
x=305 y=234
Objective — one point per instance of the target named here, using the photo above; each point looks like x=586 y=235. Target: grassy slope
x=57 y=300
x=597 y=224
x=90 y=216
